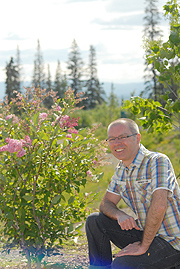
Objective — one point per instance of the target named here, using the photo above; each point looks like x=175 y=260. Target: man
x=146 y=181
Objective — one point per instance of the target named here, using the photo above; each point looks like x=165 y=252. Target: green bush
x=44 y=162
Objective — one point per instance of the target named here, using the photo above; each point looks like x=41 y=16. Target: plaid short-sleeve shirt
x=148 y=172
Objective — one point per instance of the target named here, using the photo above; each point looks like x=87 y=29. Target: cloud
x=121 y=21
x=13 y=36
x=125 y=5
x=131 y=5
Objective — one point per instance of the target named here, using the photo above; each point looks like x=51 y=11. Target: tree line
x=79 y=78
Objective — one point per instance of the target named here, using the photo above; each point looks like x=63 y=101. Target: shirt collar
x=137 y=160
x=140 y=156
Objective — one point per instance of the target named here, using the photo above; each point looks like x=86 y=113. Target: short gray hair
x=130 y=123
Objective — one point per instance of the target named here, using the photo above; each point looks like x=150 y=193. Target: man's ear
x=138 y=138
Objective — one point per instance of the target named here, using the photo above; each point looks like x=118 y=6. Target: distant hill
x=122 y=91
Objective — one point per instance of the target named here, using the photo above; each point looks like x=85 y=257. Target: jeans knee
x=91 y=218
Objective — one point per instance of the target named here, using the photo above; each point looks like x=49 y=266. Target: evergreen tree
x=49 y=82
x=94 y=91
x=60 y=83
x=12 y=79
x=113 y=104
x=152 y=32
x=19 y=68
x=113 y=99
x=38 y=72
x=48 y=101
x=75 y=66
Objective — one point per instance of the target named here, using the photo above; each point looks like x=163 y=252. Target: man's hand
x=134 y=249
x=127 y=222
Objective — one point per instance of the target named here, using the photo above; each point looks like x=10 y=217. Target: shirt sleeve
x=162 y=173
x=113 y=186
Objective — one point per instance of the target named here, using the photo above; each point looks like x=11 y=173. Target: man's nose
x=117 y=140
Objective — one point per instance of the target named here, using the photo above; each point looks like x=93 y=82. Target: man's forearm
x=154 y=218
x=109 y=209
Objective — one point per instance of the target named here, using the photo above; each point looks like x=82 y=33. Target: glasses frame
x=120 y=139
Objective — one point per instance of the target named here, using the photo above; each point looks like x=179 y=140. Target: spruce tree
x=48 y=101
x=19 y=67
x=75 y=67
x=39 y=77
x=60 y=82
x=94 y=91
x=152 y=32
x=12 y=79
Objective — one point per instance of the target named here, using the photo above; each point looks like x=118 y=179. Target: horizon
x=121 y=90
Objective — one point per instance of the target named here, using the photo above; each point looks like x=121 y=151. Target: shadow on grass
x=62 y=266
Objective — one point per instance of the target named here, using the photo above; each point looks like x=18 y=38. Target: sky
x=113 y=27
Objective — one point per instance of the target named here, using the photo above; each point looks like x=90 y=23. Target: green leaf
x=70 y=228
x=28 y=197
x=36 y=118
x=174 y=38
x=59 y=211
x=56 y=199
x=71 y=200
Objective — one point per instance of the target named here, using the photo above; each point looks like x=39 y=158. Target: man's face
x=126 y=149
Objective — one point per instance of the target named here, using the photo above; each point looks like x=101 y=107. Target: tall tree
x=94 y=91
x=39 y=77
x=12 y=79
x=60 y=83
x=75 y=66
x=152 y=32
x=113 y=104
x=19 y=67
x=48 y=101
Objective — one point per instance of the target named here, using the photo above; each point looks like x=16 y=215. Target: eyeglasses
x=120 y=138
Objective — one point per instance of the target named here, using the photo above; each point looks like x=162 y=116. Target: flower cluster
x=15 y=145
x=69 y=123
x=14 y=117
x=42 y=116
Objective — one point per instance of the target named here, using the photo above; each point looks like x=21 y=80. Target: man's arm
x=154 y=219
x=108 y=207
x=155 y=216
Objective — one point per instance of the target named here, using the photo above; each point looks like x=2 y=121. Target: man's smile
x=119 y=150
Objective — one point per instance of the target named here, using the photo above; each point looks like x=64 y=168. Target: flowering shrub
x=44 y=163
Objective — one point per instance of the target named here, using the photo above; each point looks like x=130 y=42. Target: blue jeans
x=101 y=230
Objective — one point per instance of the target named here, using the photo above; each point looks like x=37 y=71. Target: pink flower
x=42 y=116
x=4 y=148
x=73 y=131
x=9 y=116
x=69 y=136
x=94 y=162
x=21 y=153
x=15 y=119
x=89 y=173
x=28 y=140
x=58 y=108
x=14 y=145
